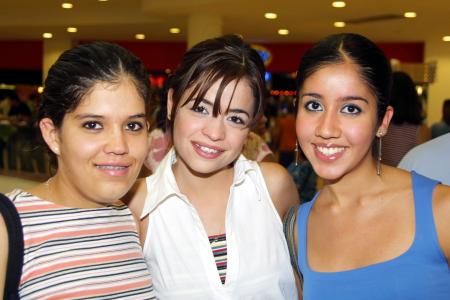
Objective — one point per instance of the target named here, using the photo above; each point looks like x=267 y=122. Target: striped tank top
x=74 y=253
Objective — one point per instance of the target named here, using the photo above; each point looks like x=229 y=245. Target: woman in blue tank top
x=373 y=231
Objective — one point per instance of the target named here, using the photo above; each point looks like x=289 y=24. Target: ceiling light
x=102 y=0
x=140 y=36
x=283 y=31
x=47 y=35
x=67 y=5
x=174 y=30
x=339 y=24
x=40 y=89
x=338 y=4
x=410 y=14
x=72 y=29
x=270 y=16
x=446 y=38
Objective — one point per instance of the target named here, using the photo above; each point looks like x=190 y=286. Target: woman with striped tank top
x=79 y=240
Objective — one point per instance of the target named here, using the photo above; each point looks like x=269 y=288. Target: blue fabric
x=421 y=272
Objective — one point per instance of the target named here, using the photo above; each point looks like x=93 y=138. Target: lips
x=113 y=169
x=207 y=151
x=329 y=152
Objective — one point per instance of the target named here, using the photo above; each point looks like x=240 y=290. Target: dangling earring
x=296 y=150
x=379 y=137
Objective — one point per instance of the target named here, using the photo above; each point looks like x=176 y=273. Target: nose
x=328 y=126
x=116 y=142
x=214 y=128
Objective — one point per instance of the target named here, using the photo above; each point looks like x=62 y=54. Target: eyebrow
x=346 y=98
x=94 y=116
x=232 y=110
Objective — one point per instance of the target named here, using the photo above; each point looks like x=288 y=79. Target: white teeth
x=328 y=151
x=208 y=150
x=111 y=167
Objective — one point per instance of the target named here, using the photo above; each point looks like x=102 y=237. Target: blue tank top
x=421 y=272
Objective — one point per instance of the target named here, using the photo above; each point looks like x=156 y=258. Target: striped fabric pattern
x=219 y=249
x=73 y=253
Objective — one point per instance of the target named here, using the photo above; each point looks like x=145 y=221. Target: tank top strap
x=423 y=205
x=302 y=222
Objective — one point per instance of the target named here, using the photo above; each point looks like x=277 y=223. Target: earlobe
x=50 y=134
x=169 y=103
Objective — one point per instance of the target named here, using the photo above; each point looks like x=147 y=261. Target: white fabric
x=431 y=159
x=179 y=255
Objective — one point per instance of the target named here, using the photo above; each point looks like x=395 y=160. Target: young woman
x=373 y=231
x=211 y=220
x=80 y=242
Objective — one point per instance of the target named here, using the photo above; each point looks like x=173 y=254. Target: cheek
x=138 y=146
x=303 y=128
x=360 y=134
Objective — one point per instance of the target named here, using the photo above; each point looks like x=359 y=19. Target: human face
x=206 y=144
x=101 y=145
x=337 y=120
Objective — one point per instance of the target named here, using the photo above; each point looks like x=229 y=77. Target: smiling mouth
x=207 y=149
x=109 y=167
x=329 y=151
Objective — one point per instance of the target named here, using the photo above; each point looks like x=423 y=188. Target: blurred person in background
x=284 y=134
x=443 y=126
x=407 y=129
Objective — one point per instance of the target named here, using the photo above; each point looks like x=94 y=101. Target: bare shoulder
x=280 y=185
x=135 y=197
x=4 y=244
x=441 y=211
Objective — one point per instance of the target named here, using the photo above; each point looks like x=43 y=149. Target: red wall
x=161 y=55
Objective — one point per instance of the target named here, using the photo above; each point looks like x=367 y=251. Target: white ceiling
x=307 y=20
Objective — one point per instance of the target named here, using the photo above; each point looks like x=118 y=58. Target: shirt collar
x=165 y=186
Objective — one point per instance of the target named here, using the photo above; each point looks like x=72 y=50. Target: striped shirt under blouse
x=74 y=253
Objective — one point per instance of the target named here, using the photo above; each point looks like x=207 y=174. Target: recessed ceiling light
x=339 y=24
x=72 y=29
x=270 y=16
x=283 y=31
x=67 y=5
x=140 y=36
x=446 y=38
x=102 y=0
x=175 y=30
x=338 y=4
x=47 y=35
x=410 y=14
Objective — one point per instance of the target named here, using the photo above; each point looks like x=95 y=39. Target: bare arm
x=4 y=244
x=441 y=211
x=281 y=187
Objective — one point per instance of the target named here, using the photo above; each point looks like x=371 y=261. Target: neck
x=356 y=186
x=59 y=191
x=192 y=183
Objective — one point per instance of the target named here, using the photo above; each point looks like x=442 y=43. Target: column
x=438 y=51
x=53 y=48
x=202 y=27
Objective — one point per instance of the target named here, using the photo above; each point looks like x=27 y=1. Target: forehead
x=117 y=98
x=237 y=92
x=338 y=79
